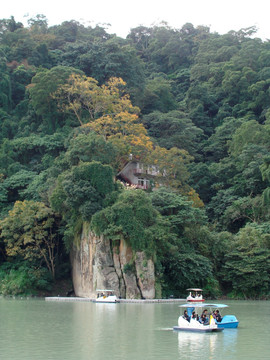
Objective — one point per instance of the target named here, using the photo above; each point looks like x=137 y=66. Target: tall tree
x=30 y=231
x=44 y=84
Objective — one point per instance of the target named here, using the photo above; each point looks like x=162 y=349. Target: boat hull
x=228 y=322
x=195 y=326
x=228 y=325
x=107 y=299
x=178 y=328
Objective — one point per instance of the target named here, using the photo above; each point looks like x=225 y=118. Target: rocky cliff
x=99 y=263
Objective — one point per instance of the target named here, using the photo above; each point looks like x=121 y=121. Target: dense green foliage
x=75 y=101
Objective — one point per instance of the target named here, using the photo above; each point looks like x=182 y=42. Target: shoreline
x=139 y=301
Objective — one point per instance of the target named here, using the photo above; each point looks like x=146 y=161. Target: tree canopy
x=77 y=103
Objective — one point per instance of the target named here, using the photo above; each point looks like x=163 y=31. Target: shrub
x=22 y=279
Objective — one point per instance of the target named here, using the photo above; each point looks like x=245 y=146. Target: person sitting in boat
x=204 y=318
x=195 y=316
x=218 y=316
x=185 y=316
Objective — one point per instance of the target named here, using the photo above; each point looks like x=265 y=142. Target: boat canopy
x=192 y=305
x=194 y=289
x=104 y=290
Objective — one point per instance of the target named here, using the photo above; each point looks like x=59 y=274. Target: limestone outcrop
x=99 y=263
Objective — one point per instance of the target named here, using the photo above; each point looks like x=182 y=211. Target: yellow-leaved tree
x=108 y=111
x=171 y=165
x=172 y=171
x=88 y=101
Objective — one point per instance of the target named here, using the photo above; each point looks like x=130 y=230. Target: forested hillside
x=75 y=102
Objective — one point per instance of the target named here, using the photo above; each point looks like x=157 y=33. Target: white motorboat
x=105 y=296
x=195 y=295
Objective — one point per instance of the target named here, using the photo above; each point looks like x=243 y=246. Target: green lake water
x=36 y=329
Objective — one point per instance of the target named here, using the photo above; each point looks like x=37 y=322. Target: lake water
x=45 y=330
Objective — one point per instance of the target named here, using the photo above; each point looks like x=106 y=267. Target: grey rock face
x=98 y=263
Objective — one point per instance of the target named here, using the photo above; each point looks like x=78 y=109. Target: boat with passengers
x=225 y=321
x=191 y=321
x=105 y=296
x=195 y=295
x=214 y=314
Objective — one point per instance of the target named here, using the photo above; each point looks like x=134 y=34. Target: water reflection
x=229 y=342
x=113 y=330
x=207 y=345
x=195 y=344
x=230 y=337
